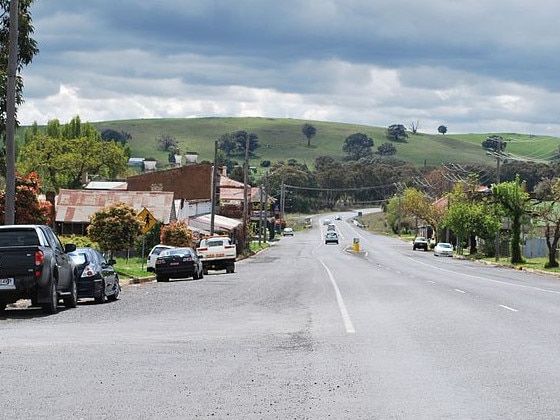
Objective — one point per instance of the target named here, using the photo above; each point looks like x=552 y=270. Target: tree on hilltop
x=357 y=146
x=309 y=132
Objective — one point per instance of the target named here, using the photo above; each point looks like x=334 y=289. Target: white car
x=443 y=248
x=288 y=232
x=152 y=256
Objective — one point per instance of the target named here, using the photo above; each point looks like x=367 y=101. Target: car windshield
x=443 y=245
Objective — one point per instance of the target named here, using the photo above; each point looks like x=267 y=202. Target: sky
x=475 y=66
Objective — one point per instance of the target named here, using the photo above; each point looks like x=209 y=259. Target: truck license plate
x=7 y=283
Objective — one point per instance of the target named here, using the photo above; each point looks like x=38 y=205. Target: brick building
x=191 y=182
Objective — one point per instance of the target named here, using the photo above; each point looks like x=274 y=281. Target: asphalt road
x=303 y=330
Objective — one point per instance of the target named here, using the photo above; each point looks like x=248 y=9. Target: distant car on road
x=443 y=248
x=96 y=276
x=331 y=227
x=178 y=263
x=337 y=217
x=326 y=222
x=420 y=243
x=152 y=256
x=331 y=237
x=288 y=232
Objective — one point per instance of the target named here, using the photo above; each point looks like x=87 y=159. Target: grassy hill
x=282 y=139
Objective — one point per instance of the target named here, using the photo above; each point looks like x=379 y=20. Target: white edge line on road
x=343 y=312
x=509 y=309
x=459 y=290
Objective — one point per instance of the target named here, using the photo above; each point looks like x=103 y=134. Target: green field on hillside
x=282 y=139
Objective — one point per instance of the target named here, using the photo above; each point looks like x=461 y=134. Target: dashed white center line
x=509 y=309
x=459 y=290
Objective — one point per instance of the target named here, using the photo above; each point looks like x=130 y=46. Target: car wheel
x=160 y=278
x=117 y=291
x=51 y=307
x=205 y=271
x=72 y=300
x=101 y=298
x=2 y=306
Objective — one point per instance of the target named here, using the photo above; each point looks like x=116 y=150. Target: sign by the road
x=146 y=219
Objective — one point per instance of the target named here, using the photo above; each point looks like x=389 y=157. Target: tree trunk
x=552 y=245
x=516 y=257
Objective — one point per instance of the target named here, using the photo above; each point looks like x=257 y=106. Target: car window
x=78 y=257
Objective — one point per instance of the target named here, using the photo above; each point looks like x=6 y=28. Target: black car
x=178 y=263
x=96 y=276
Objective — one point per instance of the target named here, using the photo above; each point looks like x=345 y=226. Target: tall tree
x=26 y=51
x=235 y=143
x=357 y=146
x=442 y=129
x=63 y=160
x=309 y=132
x=514 y=199
x=415 y=203
x=397 y=132
x=547 y=209
x=469 y=216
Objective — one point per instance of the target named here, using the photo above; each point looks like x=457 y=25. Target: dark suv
x=420 y=243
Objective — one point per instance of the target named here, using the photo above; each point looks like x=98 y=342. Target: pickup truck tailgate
x=17 y=261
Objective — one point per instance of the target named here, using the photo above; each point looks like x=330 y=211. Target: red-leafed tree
x=177 y=234
x=29 y=209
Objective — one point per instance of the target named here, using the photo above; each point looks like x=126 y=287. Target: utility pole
x=499 y=158
x=245 y=193
x=10 y=206
x=282 y=200
x=215 y=188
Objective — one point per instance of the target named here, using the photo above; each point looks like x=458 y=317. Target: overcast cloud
x=472 y=65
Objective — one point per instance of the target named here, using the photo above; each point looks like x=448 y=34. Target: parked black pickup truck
x=35 y=265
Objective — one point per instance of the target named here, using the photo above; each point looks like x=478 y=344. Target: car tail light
x=201 y=249
x=229 y=246
x=39 y=260
x=89 y=271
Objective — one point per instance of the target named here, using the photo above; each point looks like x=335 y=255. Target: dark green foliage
x=530 y=172
x=495 y=144
x=166 y=143
x=27 y=50
x=442 y=129
x=309 y=132
x=265 y=163
x=397 y=132
x=234 y=144
x=357 y=146
x=121 y=137
x=386 y=149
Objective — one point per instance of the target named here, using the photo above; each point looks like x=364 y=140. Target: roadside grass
x=134 y=267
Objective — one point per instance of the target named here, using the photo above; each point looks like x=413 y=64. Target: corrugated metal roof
x=77 y=206
x=221 y=223
x=106 y=185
